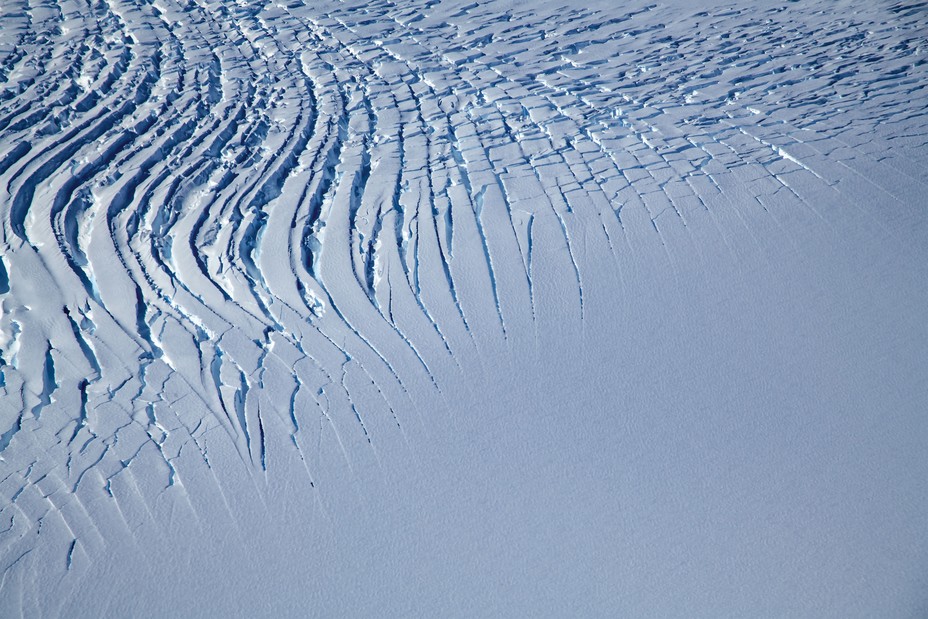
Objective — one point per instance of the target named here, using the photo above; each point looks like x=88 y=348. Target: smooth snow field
x=440 y=308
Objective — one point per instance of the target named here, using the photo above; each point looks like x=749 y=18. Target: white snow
x=442 y=308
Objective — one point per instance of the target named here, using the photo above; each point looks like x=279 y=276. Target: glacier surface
x=449 y=308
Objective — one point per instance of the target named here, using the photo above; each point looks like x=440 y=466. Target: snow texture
x=448 y=309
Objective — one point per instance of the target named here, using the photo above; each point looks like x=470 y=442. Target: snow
x=441 y=308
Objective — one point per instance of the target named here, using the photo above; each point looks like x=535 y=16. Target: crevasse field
x=449 y=309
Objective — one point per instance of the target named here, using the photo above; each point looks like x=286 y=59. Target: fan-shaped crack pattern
x=242 y=231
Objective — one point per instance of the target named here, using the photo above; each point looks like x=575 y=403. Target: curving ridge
x=257 y=256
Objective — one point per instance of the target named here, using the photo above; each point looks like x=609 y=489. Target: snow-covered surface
x=463 y=309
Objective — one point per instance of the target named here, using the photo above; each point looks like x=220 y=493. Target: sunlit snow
x=463 y=309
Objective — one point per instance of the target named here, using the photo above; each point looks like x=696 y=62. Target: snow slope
x=440 y=308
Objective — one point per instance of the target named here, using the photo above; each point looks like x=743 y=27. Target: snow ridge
x=233 y=232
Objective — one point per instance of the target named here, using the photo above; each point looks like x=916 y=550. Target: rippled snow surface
x=442 y=309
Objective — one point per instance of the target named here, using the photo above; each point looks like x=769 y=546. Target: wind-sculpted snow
x=436 y=308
